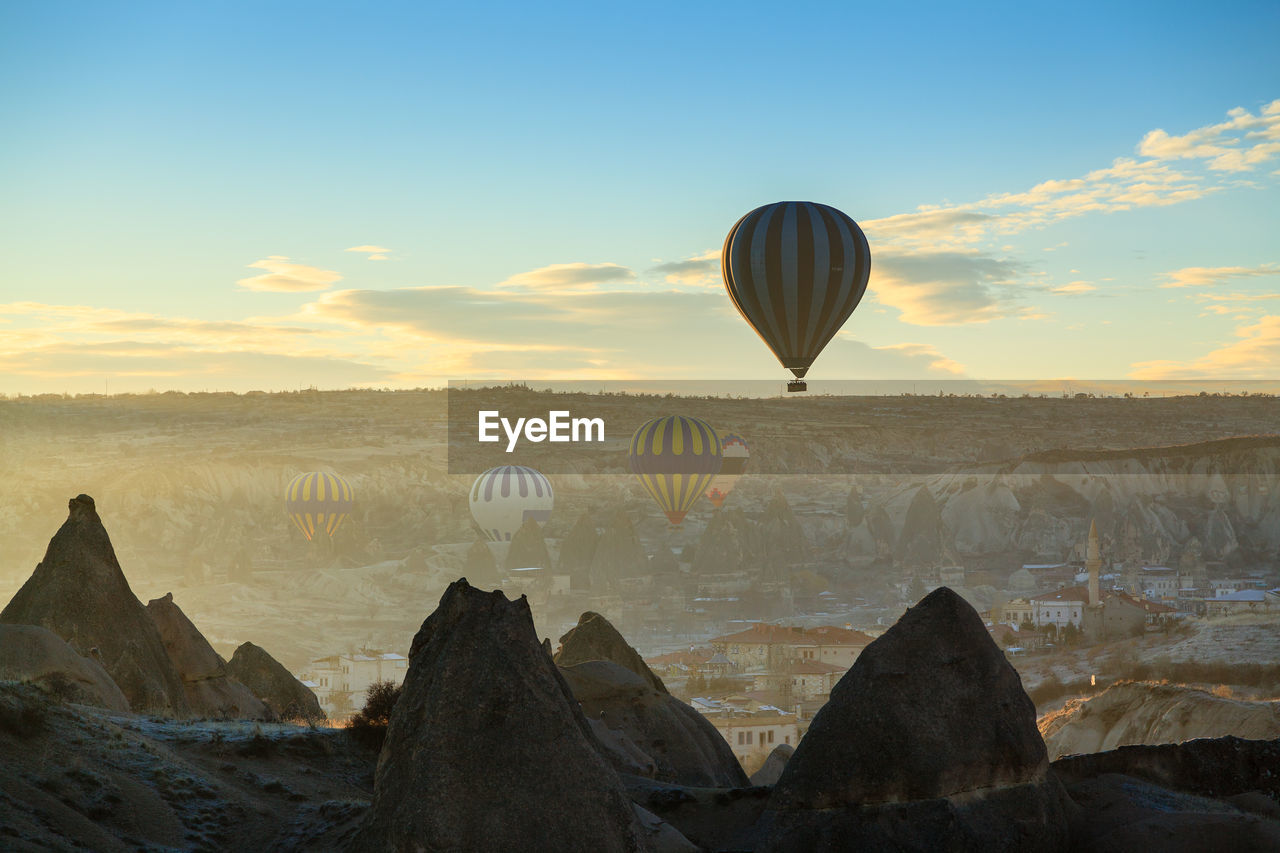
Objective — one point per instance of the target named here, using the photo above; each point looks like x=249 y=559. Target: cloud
x=1211 y=276
x=1074 y=287
x=286 y=277
x=945 y=288
x=1254 y=356
x=569 y=277
x=1128 y=183
x=626 y=333
x=74 y=347
x=929 y=227
x=699 y=270
x=928 y=356
x=373 y=253
x=1239 y=144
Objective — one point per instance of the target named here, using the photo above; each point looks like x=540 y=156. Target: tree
x=369 y=725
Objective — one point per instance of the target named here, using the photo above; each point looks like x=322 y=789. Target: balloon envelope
x=733 y=448
x=318 y=501
x=675 y=457
x=503 y=498
x=796 y=270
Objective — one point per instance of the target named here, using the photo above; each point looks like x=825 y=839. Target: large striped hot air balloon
x=503 y=498
x=734 y=449
x=796 y=270
x=675 y=458
x=318 y=502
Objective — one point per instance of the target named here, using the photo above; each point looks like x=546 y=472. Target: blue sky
x=181 y=189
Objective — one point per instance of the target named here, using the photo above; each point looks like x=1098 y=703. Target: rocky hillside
x=1145 y=713
x=1217 y=500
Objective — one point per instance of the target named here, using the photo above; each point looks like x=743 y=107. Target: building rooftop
x=826 y=635
x=1243 y=595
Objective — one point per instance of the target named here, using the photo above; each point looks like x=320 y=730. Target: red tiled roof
x=1081 y=593
x=1147 y=604
x=1070 y=593
x=813 y=667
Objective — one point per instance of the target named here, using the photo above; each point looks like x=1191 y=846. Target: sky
x=239 y=196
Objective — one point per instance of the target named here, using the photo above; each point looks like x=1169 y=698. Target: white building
x=341 y=681
x=1060 y=608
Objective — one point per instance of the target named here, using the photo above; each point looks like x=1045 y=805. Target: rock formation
x=287 y=697
x=729 y=544
x=528 y=549
x=854 y=511
x=595 y=638
x=771 y=770
x=920 y=540
x=79 y=592
x=578 y=550
x=1209 y=794
x=481 y=565
x=617 y=689
x=487 y=749
x=211 y=690
x=1146 y=713
x=618 y=553
x=782 y=534
x=928 y=742
x=37 y=655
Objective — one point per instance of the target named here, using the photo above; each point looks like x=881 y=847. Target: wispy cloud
x=1075 y=287
x=1253 y=356
x=43 y=344
x=1240 y=144
x=372 y=253
x=946 y=288
x=569 y=277
x=283 y=276
x=698 y=271
x=1211 y=276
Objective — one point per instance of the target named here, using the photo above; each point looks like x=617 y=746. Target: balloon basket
x=797 y=385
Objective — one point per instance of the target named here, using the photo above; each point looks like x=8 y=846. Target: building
x=1017 y=611
x=1160 y=583
x=771 y=647
x=800 y=681
x=341 y=681
x=1014 y=640
x=751 y=729
x=1060 y=608
x=1244 y=601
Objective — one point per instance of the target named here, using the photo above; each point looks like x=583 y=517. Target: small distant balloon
x=733 y=448
x=318 y=501
x=795 y=270
x=503 y=498
x=675 y=458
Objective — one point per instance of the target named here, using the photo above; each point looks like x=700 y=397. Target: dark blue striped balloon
x=795 y=270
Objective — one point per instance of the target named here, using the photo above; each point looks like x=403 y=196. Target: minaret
x=1093 y=563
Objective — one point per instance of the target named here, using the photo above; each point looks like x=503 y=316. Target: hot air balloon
x=318 y=501
x=795 y=270
x=675 y=458
x=503 y=497
x=733 y=448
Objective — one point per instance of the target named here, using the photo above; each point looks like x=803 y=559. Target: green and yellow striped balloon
x=675 y=457
x=318 y=501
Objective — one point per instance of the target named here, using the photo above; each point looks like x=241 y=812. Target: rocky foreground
x=497 y=742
